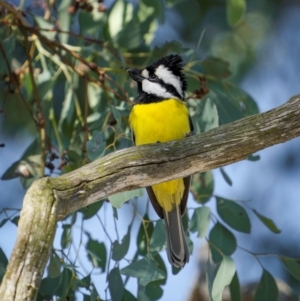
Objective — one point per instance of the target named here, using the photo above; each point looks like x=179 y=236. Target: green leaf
x=118 y=199
x=215 y=66
x=15 y=220
x=29 y=164
x=3 y=222
x=235 y=11
x=142 y=238
x=96 y=146
x=210 y=276
x=127 y=296
x=121 y=13
x=85 y=281
x=267 y=288
x=8 y=45
x=66 y=239
x=145 y=270
x=267 y=222
x=292 y=265
x=222 y=242
x=235 y=289
x=233 y=215
x=158 y=238
x=66 y=288
x=54 y=267
x=115 y=285
x=91 y=210
x=253 y=157
x=223 y=277
x=226 y=177
x=207 y=115
x=42 y=23
x=96 y=253
x=153 y=290
x=3 y=264
x=119 y=250
x=64 y=20
x=49 y=286
x=200 y=221
x=202 y=186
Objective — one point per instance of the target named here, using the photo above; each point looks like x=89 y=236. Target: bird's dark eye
x=152 y=77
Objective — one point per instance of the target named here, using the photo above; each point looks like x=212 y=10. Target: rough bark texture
x=49 y=200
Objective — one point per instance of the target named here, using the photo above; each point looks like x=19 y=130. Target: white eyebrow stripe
x=156 y=89
x=145 y=73
x=169 y=78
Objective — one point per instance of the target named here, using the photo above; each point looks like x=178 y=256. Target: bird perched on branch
x=160 y=115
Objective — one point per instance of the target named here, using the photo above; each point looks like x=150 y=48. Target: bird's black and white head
x=163 y=79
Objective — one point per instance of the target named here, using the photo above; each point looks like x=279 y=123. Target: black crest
x=174 y=63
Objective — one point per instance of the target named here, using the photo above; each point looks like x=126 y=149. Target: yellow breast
x=161 y=121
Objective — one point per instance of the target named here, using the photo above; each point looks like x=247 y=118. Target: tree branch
x=51 y=199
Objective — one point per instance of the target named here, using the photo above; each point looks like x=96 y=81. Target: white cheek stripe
x=145 y=73
x=156 y=89
x=169 y=78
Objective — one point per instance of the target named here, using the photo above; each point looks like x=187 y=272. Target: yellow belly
x=161 y=122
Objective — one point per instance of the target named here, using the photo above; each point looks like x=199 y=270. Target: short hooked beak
x=135 y=74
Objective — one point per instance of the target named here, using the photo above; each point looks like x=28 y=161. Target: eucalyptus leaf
x=200 y=221
x=96 y=253
x=119 y=250
x=158 y=238
x=202 y=186
x=115 y=285
x=145 y=270
x=233 y=215
x=292 y=265
x=235 y=11
x=267 y=222
x=222 y=242
x=118 y=199
x=267 y=288
x=223 y=277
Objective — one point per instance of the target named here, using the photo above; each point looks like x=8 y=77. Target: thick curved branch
x=150 y=164
x=48 y=200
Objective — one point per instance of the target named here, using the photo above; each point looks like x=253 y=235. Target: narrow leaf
x=235 y=289
x=226 y=177
x=200 y=221
x=221 y=240
x=234 y=215
x=202 y=186
x=235 y=11
x=66 y=236
x=118 y=199
x=267 y=288
x=292 y=265
x=158 y=238
x=96 y=146
x=119 y=250
x=115 y=285
x=143 y=238
x=223 y=277
x=267 y=222
x=96 y=253
x=145 y=270
x=253 y=157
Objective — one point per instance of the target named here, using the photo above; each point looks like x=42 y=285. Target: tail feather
x=177 y=249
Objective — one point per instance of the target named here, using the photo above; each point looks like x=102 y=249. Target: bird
x=159 y=115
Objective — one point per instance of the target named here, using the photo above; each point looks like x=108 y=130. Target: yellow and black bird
x=160 y=115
